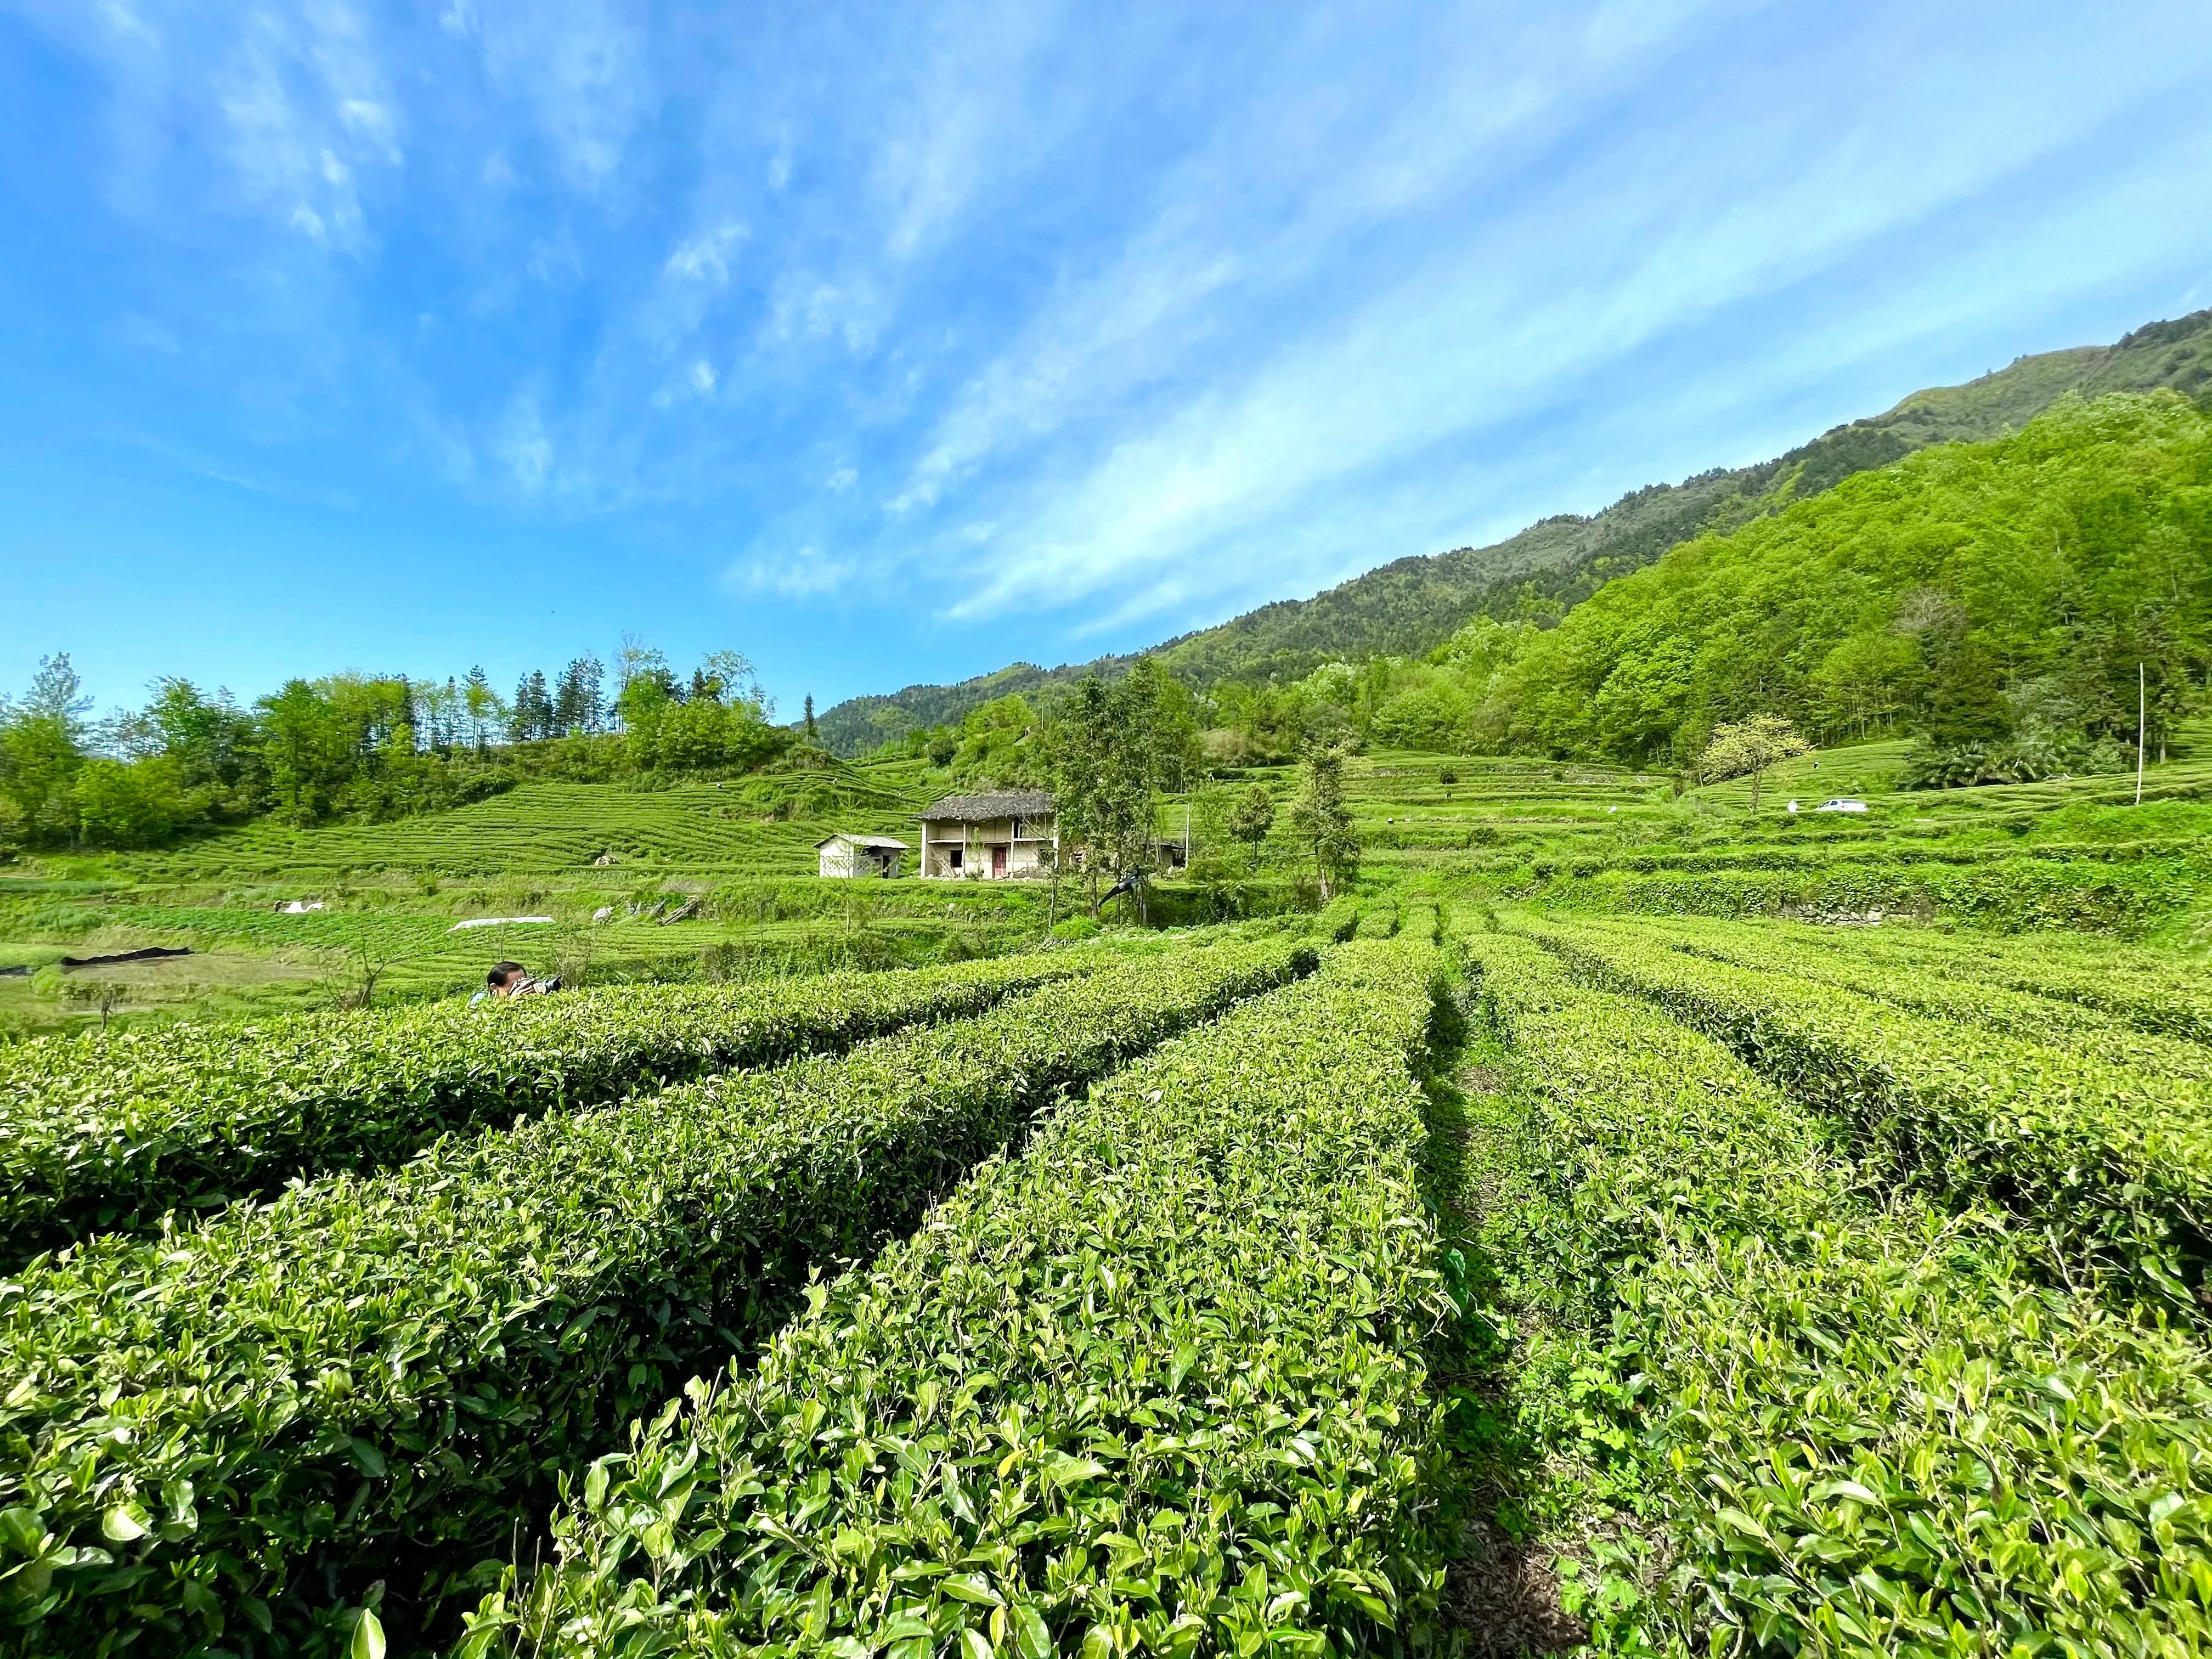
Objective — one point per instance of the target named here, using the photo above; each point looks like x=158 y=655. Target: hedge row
x=1865 y=1428
x=2010 y=894
x=111 y=1132
x=2114 y=1162
x=231 y=1433
x=1155 y=1387
x=2157 y=991
x=1933 y=983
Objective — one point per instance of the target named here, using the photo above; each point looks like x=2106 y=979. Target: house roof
x=978 y=809
x=883 y=841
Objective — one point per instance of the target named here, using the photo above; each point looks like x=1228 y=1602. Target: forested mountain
x=1412 y=604
x=2010 y=598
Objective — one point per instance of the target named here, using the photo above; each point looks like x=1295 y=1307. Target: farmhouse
x=843 y=854
x=1008 y=833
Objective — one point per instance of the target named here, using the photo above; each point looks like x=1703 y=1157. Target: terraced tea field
x=537 y=829
x=1619 y=1219
x=1761 y=1284
x=701 y=880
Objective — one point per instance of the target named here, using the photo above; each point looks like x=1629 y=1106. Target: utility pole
x=2141 y=705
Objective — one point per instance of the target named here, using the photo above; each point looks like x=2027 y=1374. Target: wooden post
x=2142 y=705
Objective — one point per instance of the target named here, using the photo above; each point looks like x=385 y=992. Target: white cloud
x=524 y=446
x=966 y=116
x=123 y=20
x=706 y=256
x=582 y=68
x=702 y=376
x=803 y=307
x=804 y=574
x=372 y=121
x=1477 y=335
x=1240 y=224
x=842 y=480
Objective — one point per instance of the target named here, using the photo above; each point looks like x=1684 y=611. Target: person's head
x=505 y=978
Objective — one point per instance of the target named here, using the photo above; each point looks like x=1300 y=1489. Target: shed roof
x=978 y=809
x=883 y=841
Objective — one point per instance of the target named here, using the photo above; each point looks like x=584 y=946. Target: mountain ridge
x=1412 y=604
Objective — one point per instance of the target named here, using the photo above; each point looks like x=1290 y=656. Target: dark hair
x=501 y=972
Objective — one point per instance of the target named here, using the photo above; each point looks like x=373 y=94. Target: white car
x=1841 y=804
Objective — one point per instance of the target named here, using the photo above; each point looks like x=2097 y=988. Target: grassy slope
x=2075 y=852
x=744 y=851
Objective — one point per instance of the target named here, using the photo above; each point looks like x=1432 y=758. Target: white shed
x=843 y=854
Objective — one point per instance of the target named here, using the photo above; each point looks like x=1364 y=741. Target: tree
x=532 y=715
x=1322 y=821
x=1103 y=755
x=42 y=744
x=728 y=676
x=1252 y=818
x=576 y=705
x=138 y=805
x=309 y=747
x=1747 y=748
x=813 y=735
x=482 y=706
x=367 y=956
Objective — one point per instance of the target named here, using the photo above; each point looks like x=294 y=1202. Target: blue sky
x=896 y=343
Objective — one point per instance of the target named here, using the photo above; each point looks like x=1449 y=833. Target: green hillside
x=2003 y=592
x=1412 y=604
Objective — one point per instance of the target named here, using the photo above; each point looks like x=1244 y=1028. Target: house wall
x=1027 y=859
x=838 y=859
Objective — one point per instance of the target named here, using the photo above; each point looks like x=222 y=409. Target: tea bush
x=232 y=1435
x=1154 y=1387
x=112 y=1132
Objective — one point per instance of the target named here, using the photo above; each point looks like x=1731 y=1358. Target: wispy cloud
x=583 y=70
x=804 y=574
x=1038 y=327
x=706 y=257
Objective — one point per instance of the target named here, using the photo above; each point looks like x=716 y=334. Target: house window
x=952 y=859
x=1018 y=830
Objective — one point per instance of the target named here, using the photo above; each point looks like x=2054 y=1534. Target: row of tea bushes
x=1156 y=1387
x=228 y=1436
x=2114 y=1162
x=111 y=1132
x=1865 y=1427
x=2152 y=990
x=1930 y=983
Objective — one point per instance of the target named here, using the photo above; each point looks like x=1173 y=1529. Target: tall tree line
x=353 y=745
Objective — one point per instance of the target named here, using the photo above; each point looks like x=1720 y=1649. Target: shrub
x=112 y=1133
x=1154 y=1387
x=2115 y=1161
x=1861 y=1425
x=230 y=1435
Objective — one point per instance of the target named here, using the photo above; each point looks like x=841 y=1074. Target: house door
x=998 y=860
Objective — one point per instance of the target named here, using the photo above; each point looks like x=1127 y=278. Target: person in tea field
x=511 y=979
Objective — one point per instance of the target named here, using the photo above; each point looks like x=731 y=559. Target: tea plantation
x=1619 y=1220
